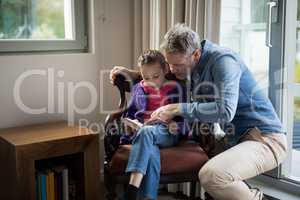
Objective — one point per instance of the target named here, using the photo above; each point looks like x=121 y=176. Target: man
x=258 y=141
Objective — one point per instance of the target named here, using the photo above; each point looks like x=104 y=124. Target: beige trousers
x=222 y=176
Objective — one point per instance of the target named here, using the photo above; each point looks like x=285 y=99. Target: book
x=53 y=183
x=55 y=187
x=42 y=186
x=51 y=186
x=58 y=181
x=36 y=187
x=134 y=124
x=65 y=183
x=48 y=185
x=58 y=186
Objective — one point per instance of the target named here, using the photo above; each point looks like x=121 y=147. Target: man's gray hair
x=181 y=39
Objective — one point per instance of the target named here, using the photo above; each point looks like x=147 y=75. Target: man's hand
x=122 y=70
x=165 y=113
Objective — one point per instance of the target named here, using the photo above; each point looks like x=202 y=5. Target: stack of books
x=52 y=184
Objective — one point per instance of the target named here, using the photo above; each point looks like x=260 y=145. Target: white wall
x=111 y=41
x=111 y=30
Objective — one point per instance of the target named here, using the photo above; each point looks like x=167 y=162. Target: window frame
x=281 y=76
x=290 y=85
x=79 y=43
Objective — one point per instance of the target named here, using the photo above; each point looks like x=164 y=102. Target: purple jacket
x=138 y=107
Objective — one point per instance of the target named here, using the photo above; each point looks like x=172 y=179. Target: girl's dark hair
x=151 y=57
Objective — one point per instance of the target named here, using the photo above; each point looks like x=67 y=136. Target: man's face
x=181 y=65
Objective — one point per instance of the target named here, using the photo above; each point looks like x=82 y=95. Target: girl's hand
x=164 y=114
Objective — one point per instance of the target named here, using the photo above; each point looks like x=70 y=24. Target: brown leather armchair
x=178 y=164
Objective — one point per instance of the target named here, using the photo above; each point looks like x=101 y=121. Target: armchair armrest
x=113 y=124
x=113 y=130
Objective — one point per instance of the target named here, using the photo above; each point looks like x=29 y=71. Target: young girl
x=151 y=93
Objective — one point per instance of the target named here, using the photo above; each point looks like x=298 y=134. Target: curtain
x=152 y=20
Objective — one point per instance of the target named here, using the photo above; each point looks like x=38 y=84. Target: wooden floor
x=163 y=195
x=169 y=196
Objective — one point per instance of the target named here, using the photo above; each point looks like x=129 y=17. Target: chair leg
x=193 y=190
x=110 y=186
x=125 y=187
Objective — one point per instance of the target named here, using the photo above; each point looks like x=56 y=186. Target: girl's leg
x=144 y=157
x=148 y=139
x=150 y=183
x=136 y=179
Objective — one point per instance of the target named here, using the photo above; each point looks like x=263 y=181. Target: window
x=258 y=11
x=42 y=25
x=294 y=172
x=243 y=30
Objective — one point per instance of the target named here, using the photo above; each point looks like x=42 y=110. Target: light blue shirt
x=224 y=91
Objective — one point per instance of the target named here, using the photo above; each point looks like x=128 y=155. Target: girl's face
x=153 y=74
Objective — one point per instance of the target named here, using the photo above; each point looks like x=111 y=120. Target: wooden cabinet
x=23 y=148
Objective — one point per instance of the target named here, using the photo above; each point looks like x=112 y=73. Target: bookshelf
x=26 y=150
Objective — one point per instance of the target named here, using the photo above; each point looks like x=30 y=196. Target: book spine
x=43 y=187
x=39 y=186
x=51 y=186
x=55 y=186
x=65 y=181
x=59 y=186
x=48 y=195
x=36 y=190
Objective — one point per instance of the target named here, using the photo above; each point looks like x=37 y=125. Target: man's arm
x=226 y=74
